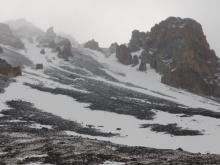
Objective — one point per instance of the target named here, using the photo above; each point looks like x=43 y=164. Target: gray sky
x=112 y=20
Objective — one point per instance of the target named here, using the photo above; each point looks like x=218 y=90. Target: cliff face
x=177 y=48
x=8 y=38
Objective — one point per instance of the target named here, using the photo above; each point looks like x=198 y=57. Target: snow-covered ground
x=130 y=133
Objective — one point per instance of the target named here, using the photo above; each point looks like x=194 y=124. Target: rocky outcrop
x=92 y=44
x=1 y=50
x=135 y=60
x=42 y=51
x=64 y=49
x=113 y=47
x=137 y=41
x=177 y=49
x=8 y=38
x=8 y=70
x=59 y=44
x=123 y=54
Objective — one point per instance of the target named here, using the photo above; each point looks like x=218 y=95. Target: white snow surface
x=130 y=133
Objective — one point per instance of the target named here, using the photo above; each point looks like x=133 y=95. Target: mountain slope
x=89 y=98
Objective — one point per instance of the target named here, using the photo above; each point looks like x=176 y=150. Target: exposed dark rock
x=1 y=50
x=177 y=48
x=142 y=66
x=92 y=44
x=113 y=47
x=137 y=40
x=39 y=66
x=8 y=38
x=135 y=60
x=64 y=49
x=123 y=54
x=42 y=51
x=61 y=45
x=172 y=129
x=8 y=70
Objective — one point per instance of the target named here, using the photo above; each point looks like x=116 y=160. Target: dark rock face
x=142 y=66
x=1 y=50
x=65 y=50
x=123 y=54
x=135 y=60
x=8 y=70
x=8 y=38
x=137 y=40
x=92 y=44
x=177 y=48
x=113 y=47
x=61 y=45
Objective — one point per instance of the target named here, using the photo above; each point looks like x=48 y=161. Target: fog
x=110 y=21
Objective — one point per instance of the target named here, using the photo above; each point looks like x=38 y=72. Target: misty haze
x=109 y=82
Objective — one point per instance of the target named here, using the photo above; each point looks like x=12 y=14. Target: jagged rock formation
x=8 y=70
x=8 y=38
x=92 y=44
x=123 y=54
x=177 y=48
x=137 y=40
x=60 y=44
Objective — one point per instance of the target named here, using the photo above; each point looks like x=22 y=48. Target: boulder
x=39 y=66
x=42 y=51
x=123 y=54
x=8 y=70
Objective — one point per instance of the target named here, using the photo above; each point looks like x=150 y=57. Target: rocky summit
x=177 y=49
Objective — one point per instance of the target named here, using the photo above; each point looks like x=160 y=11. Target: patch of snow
x=112 y=163
x=137 y=53
x=40 y=126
